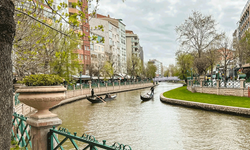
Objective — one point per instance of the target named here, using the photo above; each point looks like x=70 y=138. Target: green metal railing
x=85 y=85
x=77 y=87
x=102 y=84
x=94 y=85
x=20 y=131
x=69 y=87
x=92 y=143
x=110 y=84
x=16 y=99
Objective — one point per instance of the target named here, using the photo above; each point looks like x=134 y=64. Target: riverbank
x=226 y=104
x=115 y=90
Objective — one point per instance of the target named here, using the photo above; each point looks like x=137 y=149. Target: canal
x=154 y=125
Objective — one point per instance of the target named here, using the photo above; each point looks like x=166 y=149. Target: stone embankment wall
x=209 y=107
x=243 y=92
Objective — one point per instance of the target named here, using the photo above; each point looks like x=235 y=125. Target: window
x=70 y=5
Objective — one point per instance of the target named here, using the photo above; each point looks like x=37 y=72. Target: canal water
x=153 y=125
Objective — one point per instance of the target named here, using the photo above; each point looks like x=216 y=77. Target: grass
x=183 y=94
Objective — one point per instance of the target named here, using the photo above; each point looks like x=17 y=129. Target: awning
x=82 y=77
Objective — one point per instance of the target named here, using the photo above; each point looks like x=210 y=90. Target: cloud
x=154 y=21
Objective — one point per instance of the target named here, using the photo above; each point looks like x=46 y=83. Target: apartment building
x=97 y=50
x=239 y=33
x=121 y=44
x=83 y=49
x=158 y=64
x=115 y=43
x=132 y=44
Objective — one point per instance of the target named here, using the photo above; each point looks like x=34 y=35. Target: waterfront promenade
x=79 y=94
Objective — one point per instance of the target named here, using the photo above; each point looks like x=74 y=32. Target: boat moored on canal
x=100 y=99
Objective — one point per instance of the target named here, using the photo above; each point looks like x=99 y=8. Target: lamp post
x=217 y=71
x=191 y=73
x=80 y=78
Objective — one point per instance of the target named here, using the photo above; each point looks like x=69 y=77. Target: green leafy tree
x=134 y=66
x=184 y=63
x=167 y=73
x=108 y=70
x=29 y=8
x=150 y=70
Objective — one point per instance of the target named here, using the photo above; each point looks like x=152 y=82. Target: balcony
x=135 y=46
x=135 y=41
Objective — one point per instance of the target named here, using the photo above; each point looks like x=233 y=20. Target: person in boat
x=92 y=92
x=152 y=89
x=106 y=96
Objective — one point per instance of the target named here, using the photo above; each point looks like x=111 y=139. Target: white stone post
x=89 y=84
x=39 y=130
x=119 y=81
x=218 y=86
x=242 y=86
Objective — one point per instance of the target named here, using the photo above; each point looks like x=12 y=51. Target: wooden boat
x=98 y=99
x=147 y=97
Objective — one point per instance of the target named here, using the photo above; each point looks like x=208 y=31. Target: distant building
x=115 y=40
x=158 y=64
x=84 y=49
x=132 y=44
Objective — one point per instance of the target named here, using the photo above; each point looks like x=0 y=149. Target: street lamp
x=217 y=71
x=191 y=73
x=80 y=77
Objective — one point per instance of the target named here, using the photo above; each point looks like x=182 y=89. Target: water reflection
x=153 y=125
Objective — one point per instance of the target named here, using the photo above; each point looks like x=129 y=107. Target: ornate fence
x=20 y=131
x=86 y=141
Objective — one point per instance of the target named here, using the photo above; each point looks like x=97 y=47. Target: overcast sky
x=154 y=21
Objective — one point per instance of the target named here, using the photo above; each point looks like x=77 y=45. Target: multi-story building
x=158 y=64
x=114 y=45
x=97 y=53
x=84 y=49
x=141 y=54
x=132 y=44
x=239 y=33
x=121 y=44
x=244 y=20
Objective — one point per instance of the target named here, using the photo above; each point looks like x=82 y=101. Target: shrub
x=42 y=80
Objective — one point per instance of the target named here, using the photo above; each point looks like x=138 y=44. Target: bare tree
x=227 y=54
x=196 y=34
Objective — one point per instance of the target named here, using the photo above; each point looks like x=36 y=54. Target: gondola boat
x=97 y=99
x=147 y=97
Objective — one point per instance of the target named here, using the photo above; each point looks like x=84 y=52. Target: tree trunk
x=7 y=33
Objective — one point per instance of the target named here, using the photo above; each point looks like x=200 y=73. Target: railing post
x=242 y=86
x=89 y=85
x=113 y=85
x=40 y=128
x=106 y=87
x=218 y=86
x=119 y=82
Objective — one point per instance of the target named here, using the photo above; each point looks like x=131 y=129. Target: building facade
x=132 y=44
x=158 y=64
x=83 y=49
